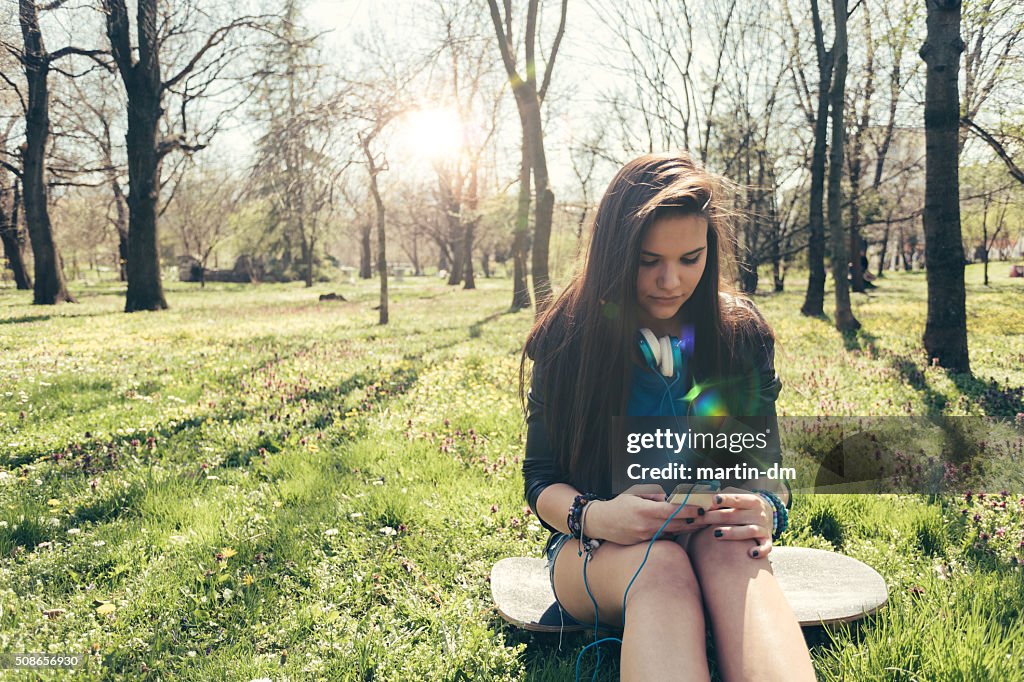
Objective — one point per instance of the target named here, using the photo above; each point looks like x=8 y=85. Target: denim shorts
x=555 y=544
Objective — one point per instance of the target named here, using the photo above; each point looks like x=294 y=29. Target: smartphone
x=700 y=494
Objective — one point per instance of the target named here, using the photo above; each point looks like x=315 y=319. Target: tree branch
x=215 y=39
x=503 y=44
x=14 y=86
x=91 y=54
x=998 y=148
x=13 y=169
x=554 y=52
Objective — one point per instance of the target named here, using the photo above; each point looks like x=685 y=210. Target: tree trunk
x=984 y=242
x=814 y=299
x=145 y=289
x=885 y=249
x=469 y=281
x=50 y=287
x=144 y=89
x=307 y=253
x=543 y=211
x=382 y=261
x=844 y=319
x=470 y=203
x=856 y=269
x=456 y=233
x=520 y=290
x=485 y=263
x=747 y=277
x=365 y=260
x=778 y=285
x=945 y=333
x=14 y=241
x=122 y=229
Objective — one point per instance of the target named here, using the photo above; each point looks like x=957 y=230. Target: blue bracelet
x=780 y=515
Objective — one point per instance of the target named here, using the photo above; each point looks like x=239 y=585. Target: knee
x=719 y=555
x=667 y=574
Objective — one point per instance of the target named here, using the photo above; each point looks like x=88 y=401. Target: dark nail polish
x=689 y=520
x=700 y=511
x=755 y=553
x=718 y=499
x=718 y=533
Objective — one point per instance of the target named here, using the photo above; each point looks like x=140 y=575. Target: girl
x=655 y=261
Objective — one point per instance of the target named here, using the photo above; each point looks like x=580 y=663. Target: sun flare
x=434 y=134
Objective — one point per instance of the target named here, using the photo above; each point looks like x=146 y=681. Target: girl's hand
x=741 y=515
x=635 y=517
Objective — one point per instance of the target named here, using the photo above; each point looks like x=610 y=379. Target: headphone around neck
x=664 y=354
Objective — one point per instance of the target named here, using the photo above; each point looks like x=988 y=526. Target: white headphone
x=660 y=354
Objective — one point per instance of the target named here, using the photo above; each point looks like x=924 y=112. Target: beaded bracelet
x=573 y=519
x=780 y=515
x=586 y=544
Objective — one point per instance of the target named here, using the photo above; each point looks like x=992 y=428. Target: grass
x=254 y=484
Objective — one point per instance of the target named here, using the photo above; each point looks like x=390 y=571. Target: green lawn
x=254 y=484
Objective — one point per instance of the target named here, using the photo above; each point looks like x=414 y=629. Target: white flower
x=74 y=531
x=331 y=531
x=388 y=530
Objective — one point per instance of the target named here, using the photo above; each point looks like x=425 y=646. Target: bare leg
x=664 y=633
x=757 y=636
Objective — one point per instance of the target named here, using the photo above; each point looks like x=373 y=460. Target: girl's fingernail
x=755 y=553
x=689 y=520
x=718 y=533
x=700 y=511
x=718 y=499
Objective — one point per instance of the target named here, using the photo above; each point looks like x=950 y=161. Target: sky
x=396 y=22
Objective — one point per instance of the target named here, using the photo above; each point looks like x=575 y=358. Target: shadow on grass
x=994 y=399
x=476 y=328
x=25 y=319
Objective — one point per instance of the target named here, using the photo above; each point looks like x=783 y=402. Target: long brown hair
x=581 y=345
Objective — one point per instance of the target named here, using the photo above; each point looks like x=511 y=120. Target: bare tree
x=529 y=98
x=844 y=319
x=11 y=233
x=817 y=116
x=295 y=168
x=475 y=100
x=370 y=106
x=197 y=69
x=945 y=334
x=50 y=287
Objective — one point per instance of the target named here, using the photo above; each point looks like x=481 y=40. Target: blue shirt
x=651 y=394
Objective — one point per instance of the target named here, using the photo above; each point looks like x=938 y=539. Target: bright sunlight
x=435 y=134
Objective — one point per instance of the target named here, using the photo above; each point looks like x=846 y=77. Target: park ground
x=255 y=484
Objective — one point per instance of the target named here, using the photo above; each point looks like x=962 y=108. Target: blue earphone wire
x=680 y=372
x=624 y=596
x=586 y=560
